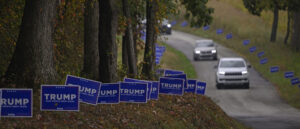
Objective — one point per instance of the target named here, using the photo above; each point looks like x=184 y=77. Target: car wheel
x=216 y=57
x=195 y=59
x=219 y=86
x=246 y=85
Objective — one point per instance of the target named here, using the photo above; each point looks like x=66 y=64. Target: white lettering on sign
x=191 y=85
x=87 y=90
x=154 y=89
x=14 y=101
x=108 y=92
x=173 y=86
x=132 y=91
x=200 y=87
x=60 y=96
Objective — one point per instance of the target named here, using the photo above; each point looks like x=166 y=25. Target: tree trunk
x=295 y=42
x=288 y=27
x=128 y=41
x=149 y=55
x=275 y=24
x=135 y=38
x=91 y=28
x=124 y=53
x=32 y=63
x=108 y=23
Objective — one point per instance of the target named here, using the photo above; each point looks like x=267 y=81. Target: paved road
x=258 y=107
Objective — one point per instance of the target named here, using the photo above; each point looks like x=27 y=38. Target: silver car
x=232 y=71
x=205 y=49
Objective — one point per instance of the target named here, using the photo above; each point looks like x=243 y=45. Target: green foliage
x=68 y=38
x=255 y=7
x=11 y=13
x=197 y=12
x=293 y=5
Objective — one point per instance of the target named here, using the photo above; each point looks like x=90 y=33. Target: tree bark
x=295 y=41
x=275 y=24
x=135 y=38
x=124 y=53
x=149 y=55
x=128 y=42
x=288 y=27
x=32 y=63
x=91 y=28
x=108 y=23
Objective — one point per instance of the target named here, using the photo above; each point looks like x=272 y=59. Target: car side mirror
x=249 y=66
x=215 y=67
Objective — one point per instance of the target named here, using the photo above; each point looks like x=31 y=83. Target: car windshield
x=231 y=63
x=205 y=45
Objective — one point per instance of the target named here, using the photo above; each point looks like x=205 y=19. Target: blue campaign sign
x=158 y=57
x=173 y=23
x=295 y=81
x=109 y=93
x=260 y=54
x=159 y=51
x=219 y=31
x=159 y=54
x=289 y=74
x=206 y=27
x=154 y=91
x=191 y=86
x=143 y=37
x=184 y=23
x=133 y=92
x=89 y=89
x=229 y=36
x=274 y=69
x=16 y=103
x=157 y=62
x=200 y=88
x=263 y=61
x=246 y=42
x=59 y=98
x=149 y=86
x=169 y=72
x=180 y=76
x=252 y=49
x=160 y=48
x=172 y=86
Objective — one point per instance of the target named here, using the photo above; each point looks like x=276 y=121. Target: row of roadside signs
x=19 y=102
x=159 y=51
x=273 y=69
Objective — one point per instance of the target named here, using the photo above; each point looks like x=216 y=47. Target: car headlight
x=244 y=72
x=221 y=72
x=169 y=25
x=197 y=52
x=213 y=51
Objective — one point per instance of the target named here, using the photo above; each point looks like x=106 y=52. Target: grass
x=189 y=111
x=174 y=59
x=232 y=17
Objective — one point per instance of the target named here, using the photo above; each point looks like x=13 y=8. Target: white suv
x=232 y=71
